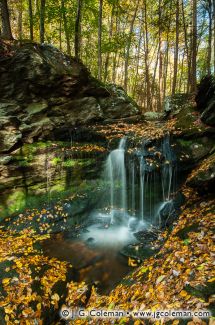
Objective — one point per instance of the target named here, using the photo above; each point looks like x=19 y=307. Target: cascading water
x=133 y=196
x=168 y=178
x=142 y=183
x=167 y=170
x=116 y=175
x=141 y=186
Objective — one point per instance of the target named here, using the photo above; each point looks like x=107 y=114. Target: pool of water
x=94 y=255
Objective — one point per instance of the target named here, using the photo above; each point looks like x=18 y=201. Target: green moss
x=16 y=201
x=185 y=143
x=55 y=161
x=70 y=163
x=200 y=291
x=78 y=162
x=186 y=117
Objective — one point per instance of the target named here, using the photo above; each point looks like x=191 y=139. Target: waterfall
x=116 y=174
x=133 y=196
x=167 y=169
x=142 y=183
x=141 y=198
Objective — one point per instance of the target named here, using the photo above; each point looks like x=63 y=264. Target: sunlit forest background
x=152 y=49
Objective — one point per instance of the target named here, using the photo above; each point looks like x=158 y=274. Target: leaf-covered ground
x=181 y=276
x=33 y=287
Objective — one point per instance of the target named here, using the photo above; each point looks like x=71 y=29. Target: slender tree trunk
x=66 y=27
x=166 y=63
x=6 y=32
x=146 y=46
x=209 y=37
x=137 y=65
x=42 y=21
x=154 y=78
x=36 y=7
x=194 y=45
x=20 y=19
x=182 y=73
x=60 y=29
x=186 y=47
x=78 y=29
x=115 y=53
x=127 y=52
x=160 y=97
x=110 y=37
x=176 y=48
x=31 y=25
x=214 y=31
x=114 y=67
x=100 y=40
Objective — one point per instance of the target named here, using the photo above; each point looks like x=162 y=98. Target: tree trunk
x=66 y=28
x=20 y=19
x=100 y=40
x=176 y=48
x=160 y=96
x=31 y=25
x=194 y=45
x=110 y=37
x=114 y=68
x=214 y=31
x=146 y=46
x=42 y=21
x=166 y=63
x=186 y=47
x=137 y=63
x=154 y=78
x=77 y=30
x=60 y=29
x=209 y=37
x=127 y=52
x=6 y=32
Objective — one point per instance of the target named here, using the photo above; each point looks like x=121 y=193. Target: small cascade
x=116 y=175
x=142 y=185
x=167 y=169
x=133 y=194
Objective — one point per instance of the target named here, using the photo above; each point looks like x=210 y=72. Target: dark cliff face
x=48 y=93
x=205 y=100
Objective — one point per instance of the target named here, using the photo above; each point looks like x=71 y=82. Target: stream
x=138 y=203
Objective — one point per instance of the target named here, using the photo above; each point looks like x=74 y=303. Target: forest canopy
x=152 y=48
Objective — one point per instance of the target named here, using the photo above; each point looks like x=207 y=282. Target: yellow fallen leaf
x=55 y=296
x=6 y=281
x=183 y=293
x=39 y=306
x=8 y=310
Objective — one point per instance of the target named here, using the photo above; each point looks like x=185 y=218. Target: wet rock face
x=203 y=178
x=205 y=100
x=46 y=90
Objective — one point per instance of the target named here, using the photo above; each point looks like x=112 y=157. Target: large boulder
x=205 y=100
x=208 y=115
x=203 y=177
x=51 y=93
x=174 y=103
x=36 y=71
